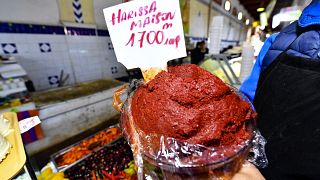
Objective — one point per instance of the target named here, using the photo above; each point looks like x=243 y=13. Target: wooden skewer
x=149 y=74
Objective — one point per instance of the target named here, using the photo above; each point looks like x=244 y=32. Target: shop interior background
x=33 y=33
x=46 y=41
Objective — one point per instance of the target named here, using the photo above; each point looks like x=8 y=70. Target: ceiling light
x=247 y=22
x=261 y=9
x=240 y=15
x=227 y=5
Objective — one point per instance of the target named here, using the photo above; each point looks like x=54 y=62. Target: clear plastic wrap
x=159 y=157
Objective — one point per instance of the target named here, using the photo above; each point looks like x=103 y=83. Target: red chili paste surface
x=191 y=105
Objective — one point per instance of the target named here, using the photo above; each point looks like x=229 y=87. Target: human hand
x=248 y=172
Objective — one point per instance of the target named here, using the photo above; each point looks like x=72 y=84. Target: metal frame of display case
x=225 y=58
x=29 y=168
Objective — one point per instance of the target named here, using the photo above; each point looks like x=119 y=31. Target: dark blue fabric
x=249 y=86
x=306 y=45
x=310 y=15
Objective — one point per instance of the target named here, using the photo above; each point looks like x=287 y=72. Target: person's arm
x=248 y=172
x=249 y=86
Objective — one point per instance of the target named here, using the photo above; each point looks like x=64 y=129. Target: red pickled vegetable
x=93 y=173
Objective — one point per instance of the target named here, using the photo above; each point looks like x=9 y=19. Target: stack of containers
x=247 y=61
x=215 y=34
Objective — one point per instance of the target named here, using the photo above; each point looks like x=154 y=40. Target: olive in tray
x=72 y=154
x=106 y=163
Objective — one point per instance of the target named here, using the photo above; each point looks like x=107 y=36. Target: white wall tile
x=58 y=38
x=1 y=51
x=34 y=48
x=84 y=58
x=40 y=79
x=58 y=46
x=32 y=38
x=4 y=37
x=23 y=48
x=18 y=38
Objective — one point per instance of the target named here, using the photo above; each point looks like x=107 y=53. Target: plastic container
x=171 y=159
x=221 y=169
x=16 y=159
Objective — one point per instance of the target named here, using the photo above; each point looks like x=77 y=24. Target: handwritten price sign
x=146 y=33
x=26 y=124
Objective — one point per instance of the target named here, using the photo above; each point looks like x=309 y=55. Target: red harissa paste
x=191 y=105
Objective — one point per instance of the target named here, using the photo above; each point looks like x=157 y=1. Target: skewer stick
x=149 y=74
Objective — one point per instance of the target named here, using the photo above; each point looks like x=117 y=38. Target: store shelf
x=16 y=158
x=23 y=107
x=12 y=91
x=12 y=71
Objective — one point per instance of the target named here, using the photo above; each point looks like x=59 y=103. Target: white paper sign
x=28 y=123
x=146 y=33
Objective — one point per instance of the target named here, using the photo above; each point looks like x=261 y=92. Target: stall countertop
x=72 y=92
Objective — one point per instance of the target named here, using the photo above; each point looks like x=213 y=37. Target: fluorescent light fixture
x=285 y=17
x=263 y=19
x=227 y=5
x=240 y=15
x=247 y=22
x=261 y=9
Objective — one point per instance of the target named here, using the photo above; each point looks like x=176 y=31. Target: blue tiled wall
x=45 y=50
x=7 y=27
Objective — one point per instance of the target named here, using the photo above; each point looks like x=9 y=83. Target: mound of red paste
x=191 y=105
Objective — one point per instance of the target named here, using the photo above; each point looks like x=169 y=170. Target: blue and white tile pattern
x=9 y=48
x=45 y=47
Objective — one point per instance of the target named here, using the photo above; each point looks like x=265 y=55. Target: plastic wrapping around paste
x=159 y=157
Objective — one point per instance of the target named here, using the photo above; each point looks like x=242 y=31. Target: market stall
x=104 y=154
x=13 y=86
x=78 y=108
x=185 y=123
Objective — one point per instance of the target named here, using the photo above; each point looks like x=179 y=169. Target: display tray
x=58 y=155
x=16 y=158
x=109 y=162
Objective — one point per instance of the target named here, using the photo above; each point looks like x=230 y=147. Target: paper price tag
x=146 y=33
x=26 y=124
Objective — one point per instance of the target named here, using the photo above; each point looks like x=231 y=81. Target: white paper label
x=146 y=33
x=28 y=123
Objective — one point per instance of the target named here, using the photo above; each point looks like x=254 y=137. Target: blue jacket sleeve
x=249 y=86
